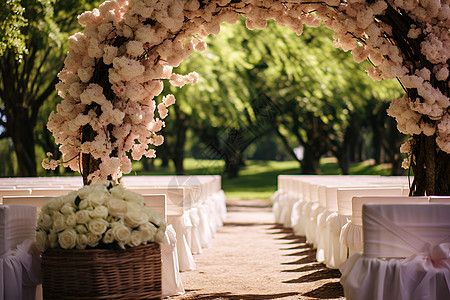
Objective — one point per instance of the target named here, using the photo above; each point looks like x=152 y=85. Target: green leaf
x=77 y=202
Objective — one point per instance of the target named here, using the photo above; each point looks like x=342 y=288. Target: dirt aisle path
x=251 y=258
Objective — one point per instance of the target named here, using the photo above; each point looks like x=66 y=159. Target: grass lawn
x=258 y=179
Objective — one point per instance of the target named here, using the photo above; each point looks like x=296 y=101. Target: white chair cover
x=297 y=220
x=220 y=207
x=439 y=199
x=170 y=274
x=311 y=223
x=19 y=259
x=205 y=229
x=406 y=254
x=336 y=253
x=212 y=216
x=20 y=272
x=323 y=235
x=182 y=225
x=196 y=246
x=352 y=234
x=276 y=207
x=222 y=204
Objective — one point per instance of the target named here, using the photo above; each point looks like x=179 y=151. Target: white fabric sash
x=438 y=251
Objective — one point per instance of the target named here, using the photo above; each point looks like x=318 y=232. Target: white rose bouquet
x=101 y=216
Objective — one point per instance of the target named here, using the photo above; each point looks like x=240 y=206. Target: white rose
x=93 y=239
x=116 y=207
x=67 y=239
x=117 y=191
x=153 y=215
x=67 y=209
x=59 y=222
x=84 y=204
x=133 y=206
x=108 y=237
x=133 y=197
x=81 y=229
x=70 y=198
x=148 y=232
x=97 y=226
x=121 y=233
x=81 y=241
x=45 y=221
x=95 y=198
x=45 y=209
x=99 y=212
x=134 y=218
x=135 y=238
x=82 y=216
x=85 y=190
x=55 y=204
x=71 y=220
x=42 y=241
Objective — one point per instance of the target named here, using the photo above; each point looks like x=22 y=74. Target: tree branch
x=38 y=71
x=39 y=100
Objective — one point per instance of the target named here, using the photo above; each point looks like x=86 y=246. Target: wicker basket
x=133 y=273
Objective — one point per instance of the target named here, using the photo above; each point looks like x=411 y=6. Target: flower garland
x=116 y=67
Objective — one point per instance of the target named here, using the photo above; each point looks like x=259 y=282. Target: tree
x=320 y=92
x=31 y=58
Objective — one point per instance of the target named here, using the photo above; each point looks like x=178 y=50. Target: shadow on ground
x=306 y=268
x=231 y=296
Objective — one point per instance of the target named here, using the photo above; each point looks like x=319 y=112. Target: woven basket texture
x=134 y=273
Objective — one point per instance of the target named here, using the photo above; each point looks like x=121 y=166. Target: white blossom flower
x=67 y=239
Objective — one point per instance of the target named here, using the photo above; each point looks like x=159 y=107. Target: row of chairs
x=336 y=212
x=194 y=206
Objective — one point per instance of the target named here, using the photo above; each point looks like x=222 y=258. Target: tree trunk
x=232 y=153
x=148 y=164
x=431 y=167
x=232 y=163
x=391 y=146
x=344 y=162
x=310 y=162
x=88 y=162
x=21 y=131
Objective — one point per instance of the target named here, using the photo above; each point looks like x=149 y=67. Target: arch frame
x=116 y=67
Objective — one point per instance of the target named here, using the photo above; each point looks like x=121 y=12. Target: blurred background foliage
x=267 y=102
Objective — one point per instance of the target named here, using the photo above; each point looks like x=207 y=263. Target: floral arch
x=116 y=67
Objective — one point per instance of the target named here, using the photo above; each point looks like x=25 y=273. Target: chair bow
x=438 y=251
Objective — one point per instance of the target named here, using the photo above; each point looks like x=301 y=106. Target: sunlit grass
x=258 y=179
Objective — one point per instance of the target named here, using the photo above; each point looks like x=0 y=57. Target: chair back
x=359 y=201
x=17 y=223
x=401 y=230
x=175 y=197
x=36 y=201
x=440 y=199
x=345 y=195
x=158 y=203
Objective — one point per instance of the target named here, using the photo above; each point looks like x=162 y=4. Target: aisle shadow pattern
x=231 y=296
x=307 y=269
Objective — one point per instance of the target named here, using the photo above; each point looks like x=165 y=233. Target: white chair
x=36 y=201
x=178 y=217
x=439 y=199
x=406 y=254
x=352 y=233
x=171 y=283
x=19 y=258
x=339 y=252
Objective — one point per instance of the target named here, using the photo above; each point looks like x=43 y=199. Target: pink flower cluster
x=139 y=41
